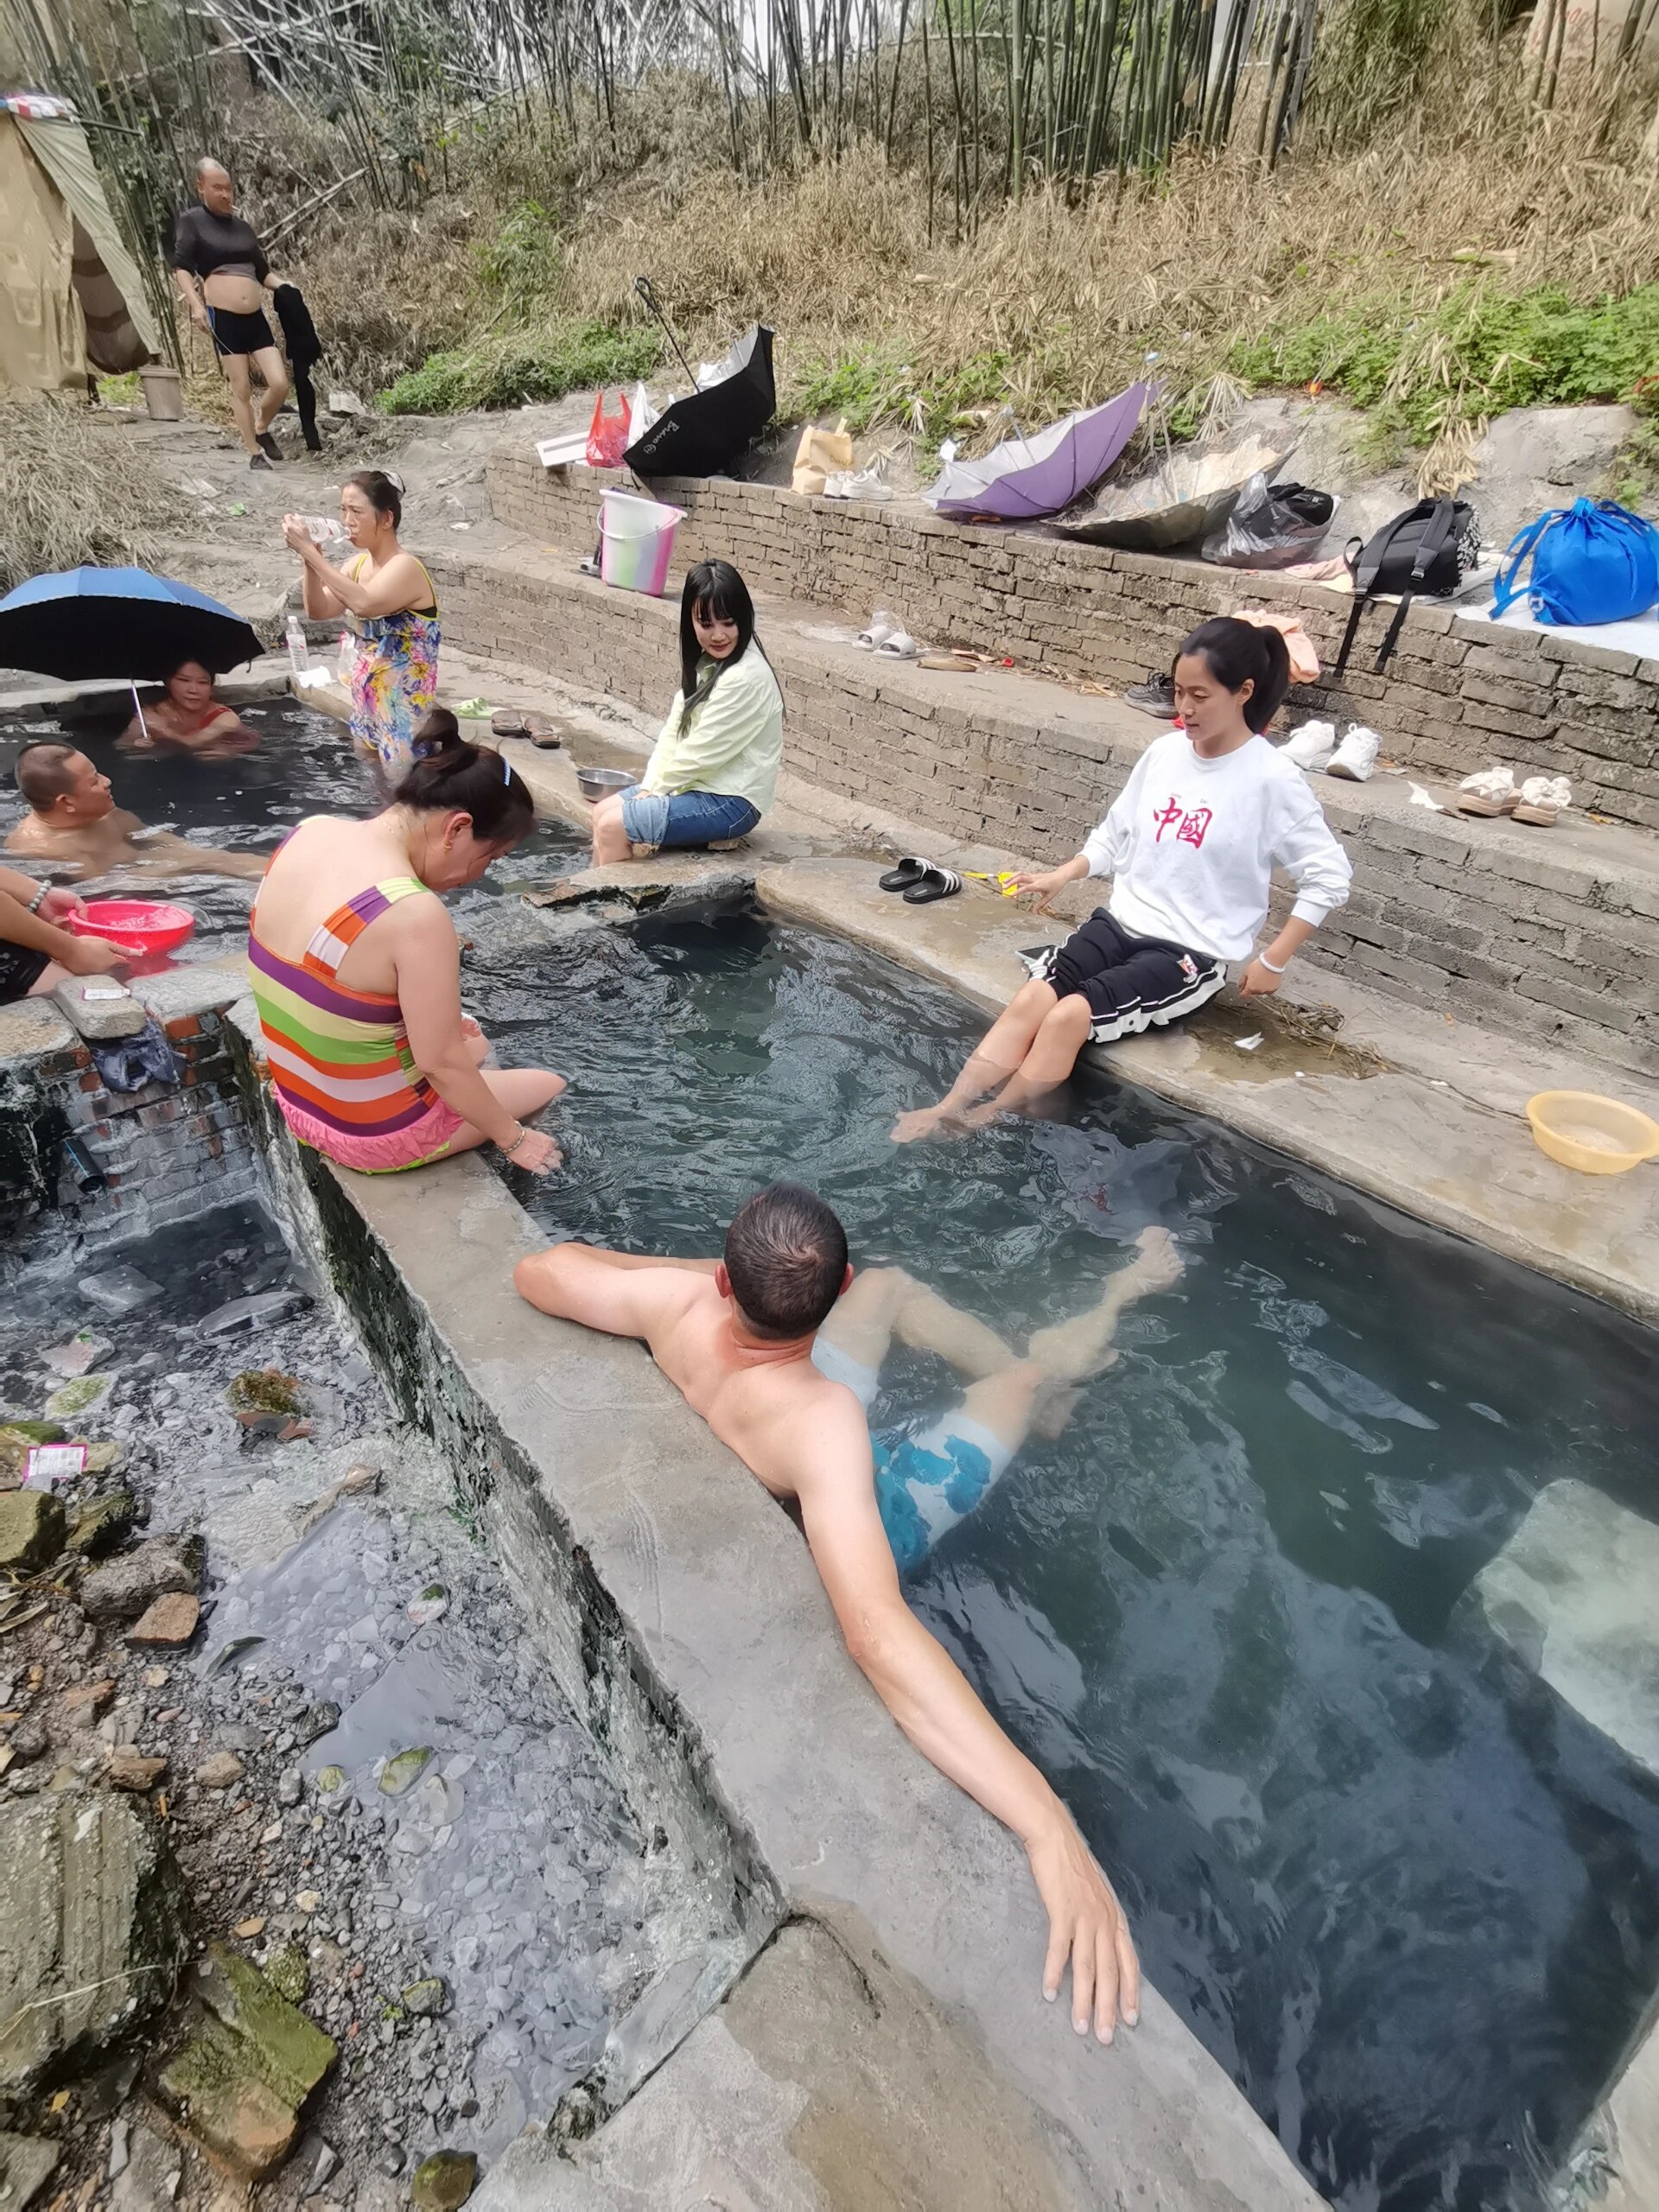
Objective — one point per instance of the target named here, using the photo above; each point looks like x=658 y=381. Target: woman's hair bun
x=436 y=733
x=450 y=775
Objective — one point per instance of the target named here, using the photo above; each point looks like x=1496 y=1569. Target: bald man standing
x=222 y=275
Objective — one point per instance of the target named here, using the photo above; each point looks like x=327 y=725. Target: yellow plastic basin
x=1596 y=1136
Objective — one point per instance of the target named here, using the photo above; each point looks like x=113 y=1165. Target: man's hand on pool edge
x=1086 y=1924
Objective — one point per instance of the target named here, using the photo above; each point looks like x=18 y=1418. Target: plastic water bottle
x=323 y=529
x=299 y=654
x=345 y=660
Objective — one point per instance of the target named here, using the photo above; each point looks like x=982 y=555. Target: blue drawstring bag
x=1593 y=562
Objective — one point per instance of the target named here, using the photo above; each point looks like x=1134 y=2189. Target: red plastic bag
x=608 y=435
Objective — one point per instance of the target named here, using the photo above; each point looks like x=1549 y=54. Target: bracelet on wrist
x=38 y=900
x=508 y=1149
x=1268 y=964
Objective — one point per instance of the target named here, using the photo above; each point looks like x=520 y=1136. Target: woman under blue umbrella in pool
x=713 y=772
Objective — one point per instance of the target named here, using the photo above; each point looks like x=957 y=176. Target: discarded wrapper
x=46 y=1465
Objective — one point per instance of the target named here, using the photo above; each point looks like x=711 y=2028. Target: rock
x=129 y=1769
x=120 y=2155
x=123 y=1589
x=78 y=1397
x=306 y=1900
x=290 y=1787
x=156 y=1678
x=82 y=1351
x=117 y=1290
x=253 y=2062
x=288 y=1973
x=404 y=1771
x=104 y=1523
x=169 y=1620
x=86 y=1702
x=31 y=1531
x=1572 y=1594
x=330 y=1778
x=93 y=1930
x=265 y=1400
x=28 y=1740
x=155 y=2169
x=264 y=1306
x=317 y=1720
x=220 y=1771
x=101 y=1458
x=427 y=1997
x=324 y=2166
x=254 y=1925
x=26 y=2166
x=431 y=1606
x=444 y=2181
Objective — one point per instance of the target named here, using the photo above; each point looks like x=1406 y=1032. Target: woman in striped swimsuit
x=371 y=1060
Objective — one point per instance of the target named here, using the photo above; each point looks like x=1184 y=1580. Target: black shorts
x=239 y=334
x=21 y=967
x=1130 y=982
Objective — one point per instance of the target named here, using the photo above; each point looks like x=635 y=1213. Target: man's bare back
x=74 y=824
x=806 y=1437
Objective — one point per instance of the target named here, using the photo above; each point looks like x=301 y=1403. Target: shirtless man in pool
x=73 y=820
x=736 y=1338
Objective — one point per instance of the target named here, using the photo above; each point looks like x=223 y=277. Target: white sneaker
x=1355 y=757
x=1311 y=747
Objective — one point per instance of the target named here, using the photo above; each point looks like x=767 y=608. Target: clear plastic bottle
x=299 y=654
x=345 y=660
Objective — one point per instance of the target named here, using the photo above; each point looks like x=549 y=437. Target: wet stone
x=31 y=1531
x=104 y=1523
x=119 y=1290
x=444 y=2181
x=170 y=1620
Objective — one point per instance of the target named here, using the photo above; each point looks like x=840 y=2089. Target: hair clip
x=506 y=768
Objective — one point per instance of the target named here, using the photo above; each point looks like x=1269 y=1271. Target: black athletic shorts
x=21 y=967
x=239 y=334
x=1130 y=982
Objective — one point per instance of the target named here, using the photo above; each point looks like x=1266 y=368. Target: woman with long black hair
x=1191 y=843
x=714 y=767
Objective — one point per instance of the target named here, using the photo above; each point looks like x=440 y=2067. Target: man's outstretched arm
x=622 y=1293
x=932 y=1702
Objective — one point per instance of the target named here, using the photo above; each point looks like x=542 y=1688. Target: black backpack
x=1431 y=548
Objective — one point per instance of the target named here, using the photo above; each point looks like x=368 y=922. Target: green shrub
x=1476 y=354
x=523 y=366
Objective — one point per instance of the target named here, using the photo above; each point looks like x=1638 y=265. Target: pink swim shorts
x=422 y=1141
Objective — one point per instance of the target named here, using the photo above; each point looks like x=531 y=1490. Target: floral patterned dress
x=394 y=679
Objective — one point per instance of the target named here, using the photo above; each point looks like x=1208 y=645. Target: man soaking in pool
x=74 y=821
x=736 y=1338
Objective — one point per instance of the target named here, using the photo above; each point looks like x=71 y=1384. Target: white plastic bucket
x=637 y=541
x=164 y=391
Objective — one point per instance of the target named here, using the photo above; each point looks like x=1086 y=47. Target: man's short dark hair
x=787 y=1255
x=43 y=772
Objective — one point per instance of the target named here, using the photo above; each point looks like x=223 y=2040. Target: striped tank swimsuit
x=340 y=1060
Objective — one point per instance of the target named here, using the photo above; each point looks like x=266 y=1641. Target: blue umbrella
x=91 y=623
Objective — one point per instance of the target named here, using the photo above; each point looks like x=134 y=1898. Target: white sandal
x=1543 y=798
x=1492 y=791
x=900 y=646
x=882 y=627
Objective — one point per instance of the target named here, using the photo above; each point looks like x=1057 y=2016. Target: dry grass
x=1070 y=301
x=74 y=490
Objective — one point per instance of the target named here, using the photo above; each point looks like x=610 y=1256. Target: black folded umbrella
x=707 y=430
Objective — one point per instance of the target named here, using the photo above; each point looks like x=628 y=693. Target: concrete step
x=1547 y=934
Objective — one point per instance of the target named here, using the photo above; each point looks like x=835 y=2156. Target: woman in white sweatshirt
x=1191 y=843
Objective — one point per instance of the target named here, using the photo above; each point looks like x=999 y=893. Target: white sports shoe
x=1311 y=747
x=1355 y=757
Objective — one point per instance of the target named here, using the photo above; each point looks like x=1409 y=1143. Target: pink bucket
x=637 y=541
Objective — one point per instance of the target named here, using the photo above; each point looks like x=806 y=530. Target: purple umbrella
x=1024 y=478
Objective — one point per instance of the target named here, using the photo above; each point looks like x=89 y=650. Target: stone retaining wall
x=1482 y=922
x=1461 y=691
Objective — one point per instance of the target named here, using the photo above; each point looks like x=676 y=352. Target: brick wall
x=1460 y=692
x=1485 y=923
x=167 y=1152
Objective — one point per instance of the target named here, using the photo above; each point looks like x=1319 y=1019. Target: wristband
x=506 y=1151
x=1269 y=965
x=35 y=902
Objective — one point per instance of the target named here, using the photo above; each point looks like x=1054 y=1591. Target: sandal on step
x=539 y=729
x=507 y=722
x=1543 y=798
x=937 y=883
x=910 y=871
x=1491 y=792
x=899 y=646
x=882 y=627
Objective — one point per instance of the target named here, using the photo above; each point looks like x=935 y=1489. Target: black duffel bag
x=1271 y=526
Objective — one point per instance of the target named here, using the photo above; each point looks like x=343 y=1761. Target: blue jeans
x=687 y=819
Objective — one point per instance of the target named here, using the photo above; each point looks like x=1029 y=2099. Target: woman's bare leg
x=236 y=375
x=610 y=838
x=1050 y=1061
x=272 y=367
x=524 y=1092
x=998 y=1055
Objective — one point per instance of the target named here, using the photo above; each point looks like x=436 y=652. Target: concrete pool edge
x=679 y=1604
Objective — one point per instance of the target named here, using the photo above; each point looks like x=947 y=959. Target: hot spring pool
x=304 y=765
x=1405 y=1893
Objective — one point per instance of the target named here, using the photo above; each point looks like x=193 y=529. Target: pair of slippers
x=507 y=722
x=888 y=640
x=1494 y=792
x=921 y=880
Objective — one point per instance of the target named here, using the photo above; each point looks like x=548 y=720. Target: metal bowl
x=599 y=782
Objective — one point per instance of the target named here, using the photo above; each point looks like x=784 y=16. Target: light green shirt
x=732 y=743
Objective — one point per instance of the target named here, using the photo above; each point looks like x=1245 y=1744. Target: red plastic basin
x=140 y=925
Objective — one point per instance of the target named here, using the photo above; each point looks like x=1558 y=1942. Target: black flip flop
x=911 y=869
x=937 y=883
